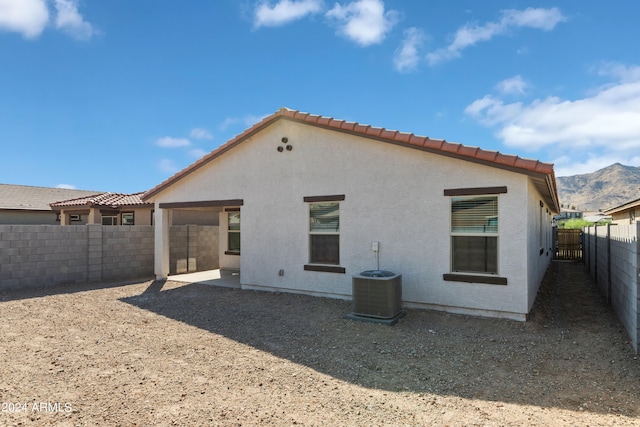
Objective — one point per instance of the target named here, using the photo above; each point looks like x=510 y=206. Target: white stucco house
x=302 y=198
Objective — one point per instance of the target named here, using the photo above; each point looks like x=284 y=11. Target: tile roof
x=437 y=146
x=105 y=200
x=24 y=197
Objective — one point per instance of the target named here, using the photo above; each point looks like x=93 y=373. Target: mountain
x=603 y=189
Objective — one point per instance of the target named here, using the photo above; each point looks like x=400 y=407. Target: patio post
x=161 y=242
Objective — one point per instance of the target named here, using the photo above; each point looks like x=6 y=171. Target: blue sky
x=117 y=95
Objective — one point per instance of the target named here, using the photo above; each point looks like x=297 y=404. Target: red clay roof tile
x=417 y=140
x=348 y=125
x=324 y=121
x=404 y=137
x=450 y=147
x=374 y=131
x=468 y=151
x=389 y=134
x=488 y=155
x=507 y=159
x=361 y=128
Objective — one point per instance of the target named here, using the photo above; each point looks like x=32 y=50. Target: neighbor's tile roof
x=26 y=197
x=107 y=200
x=438 y=146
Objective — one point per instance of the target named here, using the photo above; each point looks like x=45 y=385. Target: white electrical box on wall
x=375 y=246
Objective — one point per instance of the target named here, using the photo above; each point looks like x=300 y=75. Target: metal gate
x=568 y=244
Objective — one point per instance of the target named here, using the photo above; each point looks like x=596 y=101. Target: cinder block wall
x=616 y=269
x=37 y=256
x=127 y=251
x=193 y=248
x=625 y=284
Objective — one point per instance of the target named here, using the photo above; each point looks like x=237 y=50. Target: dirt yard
x=196 y=355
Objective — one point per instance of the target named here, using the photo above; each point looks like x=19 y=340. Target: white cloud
x=407 y=57
x=66 y=186
x=619 y=71
x=170 y=142
x=196 y=153
x=542 y=19
x=200 y=133
x=70 y=21
x=598 y=129
x=250 y=119
x=246 y=121
x=284 y=11
x=31 y=17
x=515 y=85
x=229 y=121
x=28 y=17
x=611 y=116
x=470 y=34
x=364 y=21
x=167 y=166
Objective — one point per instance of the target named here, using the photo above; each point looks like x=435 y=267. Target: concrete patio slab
x=220 y=277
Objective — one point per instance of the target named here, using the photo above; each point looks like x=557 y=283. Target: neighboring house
x=303 y=200
x=567 y=213
x=22 y=204
x=596 y=217
x=626 y=213
x=106 y=209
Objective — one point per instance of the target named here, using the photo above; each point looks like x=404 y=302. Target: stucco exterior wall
x=17 y=217
x=539 y=231
x=141 y=216
x=393 y=195
x=625 y=216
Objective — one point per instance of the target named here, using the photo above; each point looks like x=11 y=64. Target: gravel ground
x=174 y=354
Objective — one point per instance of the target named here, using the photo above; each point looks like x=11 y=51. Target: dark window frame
x=230 y=232
x=314 y=264
x=475 y=276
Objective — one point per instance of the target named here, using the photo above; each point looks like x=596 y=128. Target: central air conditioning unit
x=377 y=294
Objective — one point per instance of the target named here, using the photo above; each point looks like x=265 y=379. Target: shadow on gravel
x=43 y=291
x=571 y=354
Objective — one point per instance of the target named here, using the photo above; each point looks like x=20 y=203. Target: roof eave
x=623 y=207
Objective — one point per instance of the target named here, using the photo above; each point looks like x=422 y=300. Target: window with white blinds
x=474 y=234
x=474 y=214
x=324 y=217
x=324 y=233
